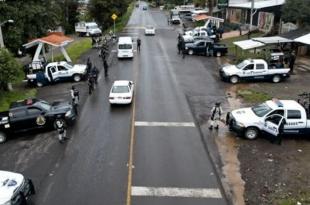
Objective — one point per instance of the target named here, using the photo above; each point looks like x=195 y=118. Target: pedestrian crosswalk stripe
x=164 y=124
x=175 y=192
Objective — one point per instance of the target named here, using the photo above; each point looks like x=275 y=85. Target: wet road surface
x=150 y=152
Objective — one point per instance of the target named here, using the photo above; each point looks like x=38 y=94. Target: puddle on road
x=228 y=150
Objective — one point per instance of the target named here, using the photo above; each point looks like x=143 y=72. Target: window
x=53 y=69
x=261 y=110
x=274 y=119
x=260 y=66
x=201 y=44
x=125 y=46
x=120 y=89
x=249 y=67
x=279 y=112
x=34 y=111
x=293 y=114
x=18 y=113
x=61 y=68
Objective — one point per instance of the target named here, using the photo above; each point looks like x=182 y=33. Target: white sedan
x=149 y=30
x=121 y=92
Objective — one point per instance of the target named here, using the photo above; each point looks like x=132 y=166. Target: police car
x=15 y=189
x=32 y=114
x=267 y=118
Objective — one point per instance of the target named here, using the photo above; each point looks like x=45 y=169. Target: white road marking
x=175 y=192
x=164 y=124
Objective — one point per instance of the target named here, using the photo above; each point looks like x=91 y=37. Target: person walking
x=106 y=68
x=216 y=113
x=179 y=46
x=75 y=98
x=183 y=49
x=292 y=59
x=94 y=74
x=138 y=44
x=61 y=129
x=91 y=84
x=88 y=66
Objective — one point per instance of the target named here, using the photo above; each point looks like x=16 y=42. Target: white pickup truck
x=197 y=32
x=55 y=72
x=253 y=69
x=267 y=118
x=87 y=29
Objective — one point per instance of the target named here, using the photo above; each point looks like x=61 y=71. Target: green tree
x=297 y=11
x=102 y=10
x=10 y=69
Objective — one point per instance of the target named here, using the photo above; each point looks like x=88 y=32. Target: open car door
x=272 y=124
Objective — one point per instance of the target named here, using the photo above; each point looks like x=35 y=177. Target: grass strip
x=252 y=96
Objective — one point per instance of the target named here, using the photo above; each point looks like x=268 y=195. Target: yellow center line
x=132 y=139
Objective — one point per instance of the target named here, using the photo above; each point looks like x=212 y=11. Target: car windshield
x=125 y=46
x=68 y=66
x=45 y=105
x=149 y=27
x=261 y=109
x=120 y=89
x=242 y=64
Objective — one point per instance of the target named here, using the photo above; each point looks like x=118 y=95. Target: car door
x=272 y=124
x=248 y=71
x=52 y=70
x=260 y=71
x=295 y=121
x=35 y=117
x=18 y=119
x=63 y=72
x=201 y=47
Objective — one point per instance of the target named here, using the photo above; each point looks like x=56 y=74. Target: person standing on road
x=106 y=68
x=88 y=66
x=91 y=84
x=292 y=61
x=75 y=97
x=216 y=113
x=138 y=44
x=94 y=74
x=179 y=47
x=183 y=49
x=61 y=129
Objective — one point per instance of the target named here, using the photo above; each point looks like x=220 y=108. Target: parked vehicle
x=206 y=47
x=267 y=117
x=55 y=72
x=121 y=92
x=253 y=69
x=33 y=114
x=199 y=32
x=15 y=189
x=87 y=29
x=125 y=47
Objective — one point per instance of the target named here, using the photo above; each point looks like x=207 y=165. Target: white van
x=87 y=29
x=125 y=47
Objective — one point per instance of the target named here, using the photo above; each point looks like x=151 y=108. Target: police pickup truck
x=33 y=114
x=268 y=117
x=55 y=72
x=206 y=47
x=253 y=69
x=15 y=189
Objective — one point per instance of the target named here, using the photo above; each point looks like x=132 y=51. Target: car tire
x=218 y=54
x=276 y=79
x=2 y=137
x=251 y=133
x=77 y=78
x=39 y=84
x=234 y=79
x=190 y=52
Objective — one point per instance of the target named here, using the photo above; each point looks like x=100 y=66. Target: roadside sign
x=114 y=16
x=222 y=3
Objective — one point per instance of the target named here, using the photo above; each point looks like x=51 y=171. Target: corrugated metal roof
x=257 y=4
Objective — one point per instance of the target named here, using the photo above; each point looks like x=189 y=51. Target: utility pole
x=251 y=16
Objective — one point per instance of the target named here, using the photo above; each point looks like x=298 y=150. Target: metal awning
x=257 y=4
x=248 y=44
x=54 y=39
x=304 y=39
x=272 y=40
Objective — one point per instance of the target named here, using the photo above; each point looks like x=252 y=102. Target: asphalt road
x=148 y=153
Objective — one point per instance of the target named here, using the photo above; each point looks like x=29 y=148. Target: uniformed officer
x=75 y=97
x=138 y=44
x=216 y=114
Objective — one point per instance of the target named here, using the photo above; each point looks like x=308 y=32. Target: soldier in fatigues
x=216 y=114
